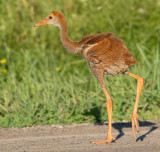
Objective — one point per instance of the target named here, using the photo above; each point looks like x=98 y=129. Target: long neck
x=68 y=44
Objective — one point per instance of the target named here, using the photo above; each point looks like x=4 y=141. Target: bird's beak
x=43 y=22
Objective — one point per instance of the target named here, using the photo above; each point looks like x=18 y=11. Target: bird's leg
x=109 y=105
x=134 y=117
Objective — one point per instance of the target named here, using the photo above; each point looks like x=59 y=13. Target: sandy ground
x=77 y=138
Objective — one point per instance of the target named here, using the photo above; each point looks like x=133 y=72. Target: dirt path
x=77 y=138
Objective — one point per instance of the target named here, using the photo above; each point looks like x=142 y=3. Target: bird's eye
x=50 y=17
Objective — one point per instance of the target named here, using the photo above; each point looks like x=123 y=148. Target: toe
x=102 y=141
x=135 y=124
x=113 y=138
x=108 y=140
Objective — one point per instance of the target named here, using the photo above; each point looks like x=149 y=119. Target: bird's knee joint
x=141 y=80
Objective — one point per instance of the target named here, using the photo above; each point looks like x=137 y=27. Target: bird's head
x=54 y=18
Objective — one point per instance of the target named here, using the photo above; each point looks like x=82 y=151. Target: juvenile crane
x=106 y=55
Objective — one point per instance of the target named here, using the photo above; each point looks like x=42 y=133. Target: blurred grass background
x=41 y=83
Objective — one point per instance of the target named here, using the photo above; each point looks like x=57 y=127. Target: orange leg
x=109 y=105
x=140 y=82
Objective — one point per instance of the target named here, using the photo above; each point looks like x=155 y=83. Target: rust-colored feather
x=105 y=52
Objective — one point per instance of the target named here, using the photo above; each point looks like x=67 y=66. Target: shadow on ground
x=121 y=125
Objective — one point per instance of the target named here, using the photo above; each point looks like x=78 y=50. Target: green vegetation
x=44 y=84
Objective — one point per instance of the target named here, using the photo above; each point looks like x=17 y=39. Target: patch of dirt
x=77 y=138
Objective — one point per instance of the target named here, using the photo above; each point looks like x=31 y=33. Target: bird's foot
x=107 y=140
x=135 y=124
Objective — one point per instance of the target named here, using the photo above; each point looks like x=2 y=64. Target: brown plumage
x=106 y=55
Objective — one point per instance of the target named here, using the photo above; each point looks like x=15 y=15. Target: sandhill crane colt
x=106 y=55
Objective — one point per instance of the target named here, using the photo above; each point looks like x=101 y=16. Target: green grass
x=33 y=92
